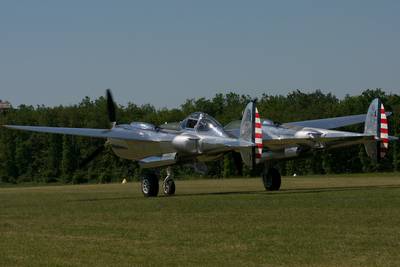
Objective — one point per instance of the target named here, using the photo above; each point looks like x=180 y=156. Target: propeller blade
x=237 y=160
x=92 y=156
x=110 y=107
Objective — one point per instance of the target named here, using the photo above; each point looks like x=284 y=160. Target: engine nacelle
x=186 y=143
x=308 y=134
x=142 y=125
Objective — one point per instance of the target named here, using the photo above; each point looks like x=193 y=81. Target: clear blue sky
x=163 y=52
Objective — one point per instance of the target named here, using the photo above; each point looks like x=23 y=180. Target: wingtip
x=8 y=126
x=15 y=127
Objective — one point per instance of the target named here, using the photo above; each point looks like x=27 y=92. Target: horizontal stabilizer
x=311 y=142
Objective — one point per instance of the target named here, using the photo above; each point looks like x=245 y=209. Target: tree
x=68 y=163
x=41 y=157
x=228 y=170
x=10 y=167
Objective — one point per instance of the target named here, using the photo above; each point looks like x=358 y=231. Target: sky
x=164 y=52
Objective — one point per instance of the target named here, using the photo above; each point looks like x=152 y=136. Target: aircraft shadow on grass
x=262 y=192
x=295 y=191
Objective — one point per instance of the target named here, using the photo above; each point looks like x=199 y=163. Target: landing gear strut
x=271 y=179
x=169 y=184
x=150 y=185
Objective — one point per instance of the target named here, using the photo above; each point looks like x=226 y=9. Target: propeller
x=111 y=111
x=91 y=157
x=111 y=107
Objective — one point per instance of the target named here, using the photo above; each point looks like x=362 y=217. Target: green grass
x=312 y=221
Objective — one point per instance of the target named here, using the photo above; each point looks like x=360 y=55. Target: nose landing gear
x=169 y=184
x=150 y=185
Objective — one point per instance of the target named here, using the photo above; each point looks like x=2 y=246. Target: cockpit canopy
x=203 y=123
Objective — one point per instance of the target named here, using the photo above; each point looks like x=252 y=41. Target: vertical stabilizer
x=258 y=138
x=251 y=131
x=376 y=124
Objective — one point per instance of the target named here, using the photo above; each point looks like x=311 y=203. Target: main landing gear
x=150 y=186
x=271 y=179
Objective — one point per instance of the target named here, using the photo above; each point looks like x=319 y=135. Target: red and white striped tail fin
x=258 y=137
x=384 y=132
x=251 y=132
x=376 y=124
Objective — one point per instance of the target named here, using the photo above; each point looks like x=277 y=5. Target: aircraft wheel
x=169 y=187
x=150 y=185
x=271 y=179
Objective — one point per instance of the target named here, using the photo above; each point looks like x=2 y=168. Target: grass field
x=312 y=221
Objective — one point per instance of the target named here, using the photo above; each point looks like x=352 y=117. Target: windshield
x=209 y=125
x=203 y=123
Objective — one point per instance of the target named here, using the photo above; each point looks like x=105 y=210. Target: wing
x=101 y=133
x=115 y=133
x=331 y=123
x=233 y=128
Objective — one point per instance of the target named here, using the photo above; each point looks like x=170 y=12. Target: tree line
x=45 y=158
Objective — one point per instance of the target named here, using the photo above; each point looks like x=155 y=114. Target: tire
x=271 y=179
x=149 y=185
x=169 y=187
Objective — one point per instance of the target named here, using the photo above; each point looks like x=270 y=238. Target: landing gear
x=271 y=179
x=169 y=184
x=150 y=185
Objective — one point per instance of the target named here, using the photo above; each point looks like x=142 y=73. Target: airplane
x=200 y=138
